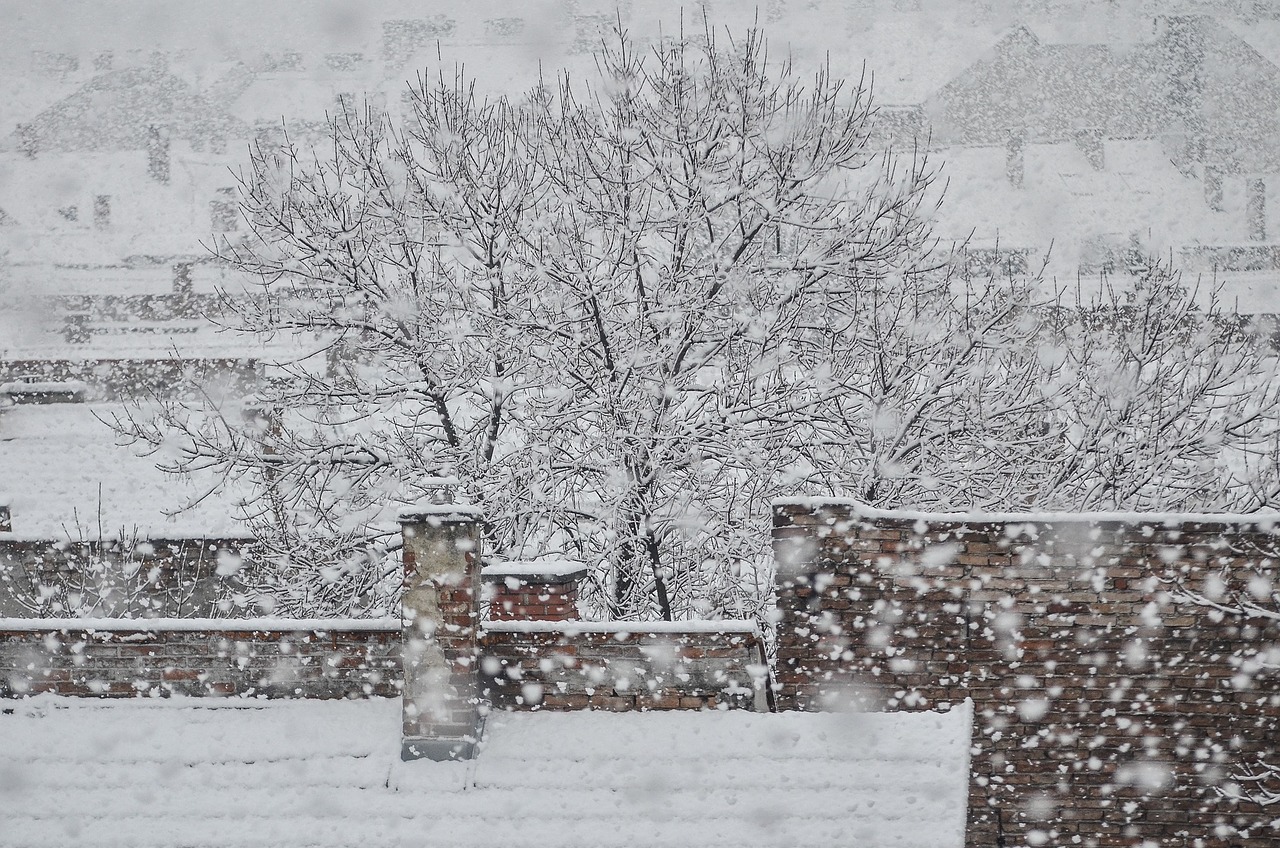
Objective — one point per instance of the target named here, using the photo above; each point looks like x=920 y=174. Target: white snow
x=1265 y=519
x=534 y=568
x=68 y=480
x=428 y=509
x=43 y=386
x=39 y=337
x=319 y=773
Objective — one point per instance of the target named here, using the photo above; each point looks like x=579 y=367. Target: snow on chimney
x=1014 y=159
x=158 y=154
x=1213 y=187
x=1256 y=208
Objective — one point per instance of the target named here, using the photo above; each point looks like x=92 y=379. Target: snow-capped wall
x=248 y=659
x=143 y=636
x=624 y=666
x=1123 y=670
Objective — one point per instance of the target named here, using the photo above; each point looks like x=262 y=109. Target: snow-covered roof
x=319 y=773
x=1050 y=91
x=121 y=109
x=134 y=275
x=131 y=338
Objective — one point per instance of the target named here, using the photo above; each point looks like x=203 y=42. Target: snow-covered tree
x=1161 y=403
x=623 y=310
x=943 y=407
x=629 y=310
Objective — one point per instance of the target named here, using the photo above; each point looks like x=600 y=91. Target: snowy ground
x=319 y=773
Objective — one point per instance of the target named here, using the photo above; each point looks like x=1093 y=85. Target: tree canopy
x=629 y=310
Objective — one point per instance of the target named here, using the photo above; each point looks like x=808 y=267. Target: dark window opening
x=224 y=211
x=102 y=211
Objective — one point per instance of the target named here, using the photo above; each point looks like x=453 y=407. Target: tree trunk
x=638 y=553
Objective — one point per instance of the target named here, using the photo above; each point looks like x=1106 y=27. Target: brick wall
x=575 y=665
x=570 y=664
x=533 y=590
x=622 y=667
x=1106 y=710
x=122 y=659
x=175 y=577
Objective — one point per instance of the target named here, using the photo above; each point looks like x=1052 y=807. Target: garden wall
x=623 y=666
x=140 y=625
x=153 y=578
x=1110 y=708
x=524 y=664
x=163 y=657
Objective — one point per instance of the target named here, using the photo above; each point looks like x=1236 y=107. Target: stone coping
x=1267 y=521
x=534 y=571
x=439 y=512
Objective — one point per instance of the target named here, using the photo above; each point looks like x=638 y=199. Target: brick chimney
x=1213 y=175
x=442 y=713
x=182 y=287
x=1015 y=157
x=532 y=591
x=1256 y=208
x=75 y=328
x=182 y=301
x=158 y=154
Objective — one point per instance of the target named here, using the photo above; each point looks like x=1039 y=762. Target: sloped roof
x=115 y=111
x=1024 y=83
x=1196 y=77
x=319 y=773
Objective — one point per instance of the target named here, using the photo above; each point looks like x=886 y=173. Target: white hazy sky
x=903 y=39
x=913 y=46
